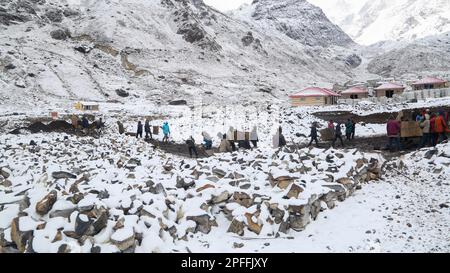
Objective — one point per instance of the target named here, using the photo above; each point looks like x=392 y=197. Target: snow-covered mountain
x=426 y=56
x=371 y=21
x=297 y=19
x=157 y=50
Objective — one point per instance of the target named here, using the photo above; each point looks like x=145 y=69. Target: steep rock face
x=299 y=20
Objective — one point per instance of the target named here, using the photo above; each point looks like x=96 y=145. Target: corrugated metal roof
x=355 y=90
x=389 y=85
x=314 y=92
x=429 y=80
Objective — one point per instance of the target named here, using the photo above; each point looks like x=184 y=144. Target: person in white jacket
x=254 y=137
x=425 y=125
x=231 y=138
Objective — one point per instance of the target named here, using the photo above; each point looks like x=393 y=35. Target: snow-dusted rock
x=46 y=204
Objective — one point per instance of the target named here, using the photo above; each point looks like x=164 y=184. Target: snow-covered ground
x=123 y=194
x=394 y=215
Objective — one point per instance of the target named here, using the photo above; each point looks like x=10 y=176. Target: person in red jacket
x=441 y=128
x=433 y=129
x=393 y=132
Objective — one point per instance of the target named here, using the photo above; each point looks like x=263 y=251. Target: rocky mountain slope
x=371 y=21
x=155 y=50
x=298 y=20
x=427 y=56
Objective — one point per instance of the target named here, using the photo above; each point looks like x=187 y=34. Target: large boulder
x=5 y=172
x=294 y=191
x=82 y=224
x=203 y=223
x=46 y=204
x=63 y=175
x=20 y=238
x=122 y=93
x=178 y=102
x=254 y=226
x=243 y=199
x=224 y=196
x=236 y=227
x=353 y=61
x=123 y=238
x=60 y=34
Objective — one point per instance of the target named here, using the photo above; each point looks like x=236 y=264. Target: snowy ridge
x=372 y=21
x=298 y=20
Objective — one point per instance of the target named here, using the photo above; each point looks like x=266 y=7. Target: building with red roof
x=429 y=83
x=389 y=90
x=355 y=92
x=314 y=96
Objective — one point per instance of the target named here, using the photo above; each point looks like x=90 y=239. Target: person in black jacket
x=191 y=145
x=147 y=129
x=85 y=122
x=338 y=134
x=353 y=129
x=139 y=130
x=281 y=139
x=99 y=124
x=313 y=134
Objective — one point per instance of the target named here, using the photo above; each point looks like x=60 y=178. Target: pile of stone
x=123 y=195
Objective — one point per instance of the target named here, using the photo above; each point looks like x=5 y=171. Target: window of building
x=354 y=97
x=318 y=98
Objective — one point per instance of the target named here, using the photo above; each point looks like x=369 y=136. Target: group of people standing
x=336 y=130
x=84 y=124
x=434 y=127
x=148 y=132
x=227 y=142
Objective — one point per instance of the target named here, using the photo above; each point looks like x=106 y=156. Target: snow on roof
x=389 y=85
x=355 y=90
x=314 y=92
x=429 y=80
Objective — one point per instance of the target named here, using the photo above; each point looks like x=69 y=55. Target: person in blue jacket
x=166 y=132
x=207 y=141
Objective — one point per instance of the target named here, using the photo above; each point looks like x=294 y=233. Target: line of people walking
x=147 y=128
x=84 y=124
x=433 y=125
x=336 y=132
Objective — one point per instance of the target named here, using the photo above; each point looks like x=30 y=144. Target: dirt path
x=377 y=118
x=180 y=149
x=369 y=144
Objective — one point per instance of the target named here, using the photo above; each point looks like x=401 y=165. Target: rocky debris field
x=122 y=195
